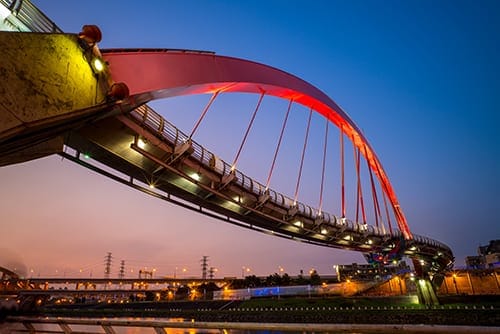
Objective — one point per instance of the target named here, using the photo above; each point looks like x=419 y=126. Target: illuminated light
x=233 y=168
x=348 y=237
x=298 y=223
x=195 y=176
x=348 y=281
x=86 y=156
x=454 y=275
x=324 y=231
x=369 y=241
x=141 y=143
x=97 y=65
x=421 y=282
x=151 y=185
x=4 y=12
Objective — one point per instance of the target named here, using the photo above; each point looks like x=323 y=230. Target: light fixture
x=97 y=65
x=118 y=91
x=91 y=34
x=141 y=143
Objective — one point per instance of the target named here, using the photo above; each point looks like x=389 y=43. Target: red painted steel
x=155 y=74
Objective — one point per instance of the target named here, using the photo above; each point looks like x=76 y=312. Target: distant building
x=488 y=256
x=370 y=272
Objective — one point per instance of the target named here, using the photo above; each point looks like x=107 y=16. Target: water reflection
x=139 y=326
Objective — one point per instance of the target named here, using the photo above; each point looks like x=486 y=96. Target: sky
x=420 y=78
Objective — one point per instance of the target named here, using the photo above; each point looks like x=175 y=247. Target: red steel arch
x=161 y=73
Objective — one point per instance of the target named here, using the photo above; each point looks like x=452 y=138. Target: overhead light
x=141 y=143
x=97 y=65
x=195 y=176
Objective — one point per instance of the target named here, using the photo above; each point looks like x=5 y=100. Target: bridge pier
x=426 y=292
x=48 y=88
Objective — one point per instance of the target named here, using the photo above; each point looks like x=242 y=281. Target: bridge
x=90 y=107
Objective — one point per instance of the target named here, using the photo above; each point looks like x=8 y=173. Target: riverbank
x=296 y=310
x=198 y=327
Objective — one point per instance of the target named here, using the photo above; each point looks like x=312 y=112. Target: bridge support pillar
x=426 y=293
x=48 y=87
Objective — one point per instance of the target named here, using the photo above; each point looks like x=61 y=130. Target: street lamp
x=243 y=270
x=455 y=282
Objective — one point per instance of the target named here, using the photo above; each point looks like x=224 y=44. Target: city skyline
x=418 y=82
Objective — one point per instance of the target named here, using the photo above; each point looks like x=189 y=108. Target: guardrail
x=84 y=326
x=157 y=124
x=30 y=16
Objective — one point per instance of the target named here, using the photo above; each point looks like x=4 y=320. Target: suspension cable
x=360 y=188
x=342 y=168
x=212 y=98
x=387 y=213
x=233 y=166
x=302 y=158
x=376 y=207
x=323 y=168
x=279 y=144
x=385 y=202
x=355 y=151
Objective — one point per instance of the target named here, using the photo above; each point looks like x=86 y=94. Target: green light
x=86 y=156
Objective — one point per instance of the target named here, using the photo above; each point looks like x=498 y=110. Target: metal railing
x=30 y=16
x=157 y=124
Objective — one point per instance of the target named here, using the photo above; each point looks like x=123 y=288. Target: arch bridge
x=114 y=132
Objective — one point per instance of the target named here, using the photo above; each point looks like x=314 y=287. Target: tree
x=315 y=279
x=252 y=281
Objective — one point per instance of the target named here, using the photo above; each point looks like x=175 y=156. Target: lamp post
x=243 y=270
x=455 y=282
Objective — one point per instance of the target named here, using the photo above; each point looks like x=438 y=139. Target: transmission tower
x=211 y=273
x=122 y=270
x=204 y=267
x=108 y=259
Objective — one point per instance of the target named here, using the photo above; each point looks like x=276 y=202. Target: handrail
x=30 y=16
x=160 y=326
x=158 y=124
